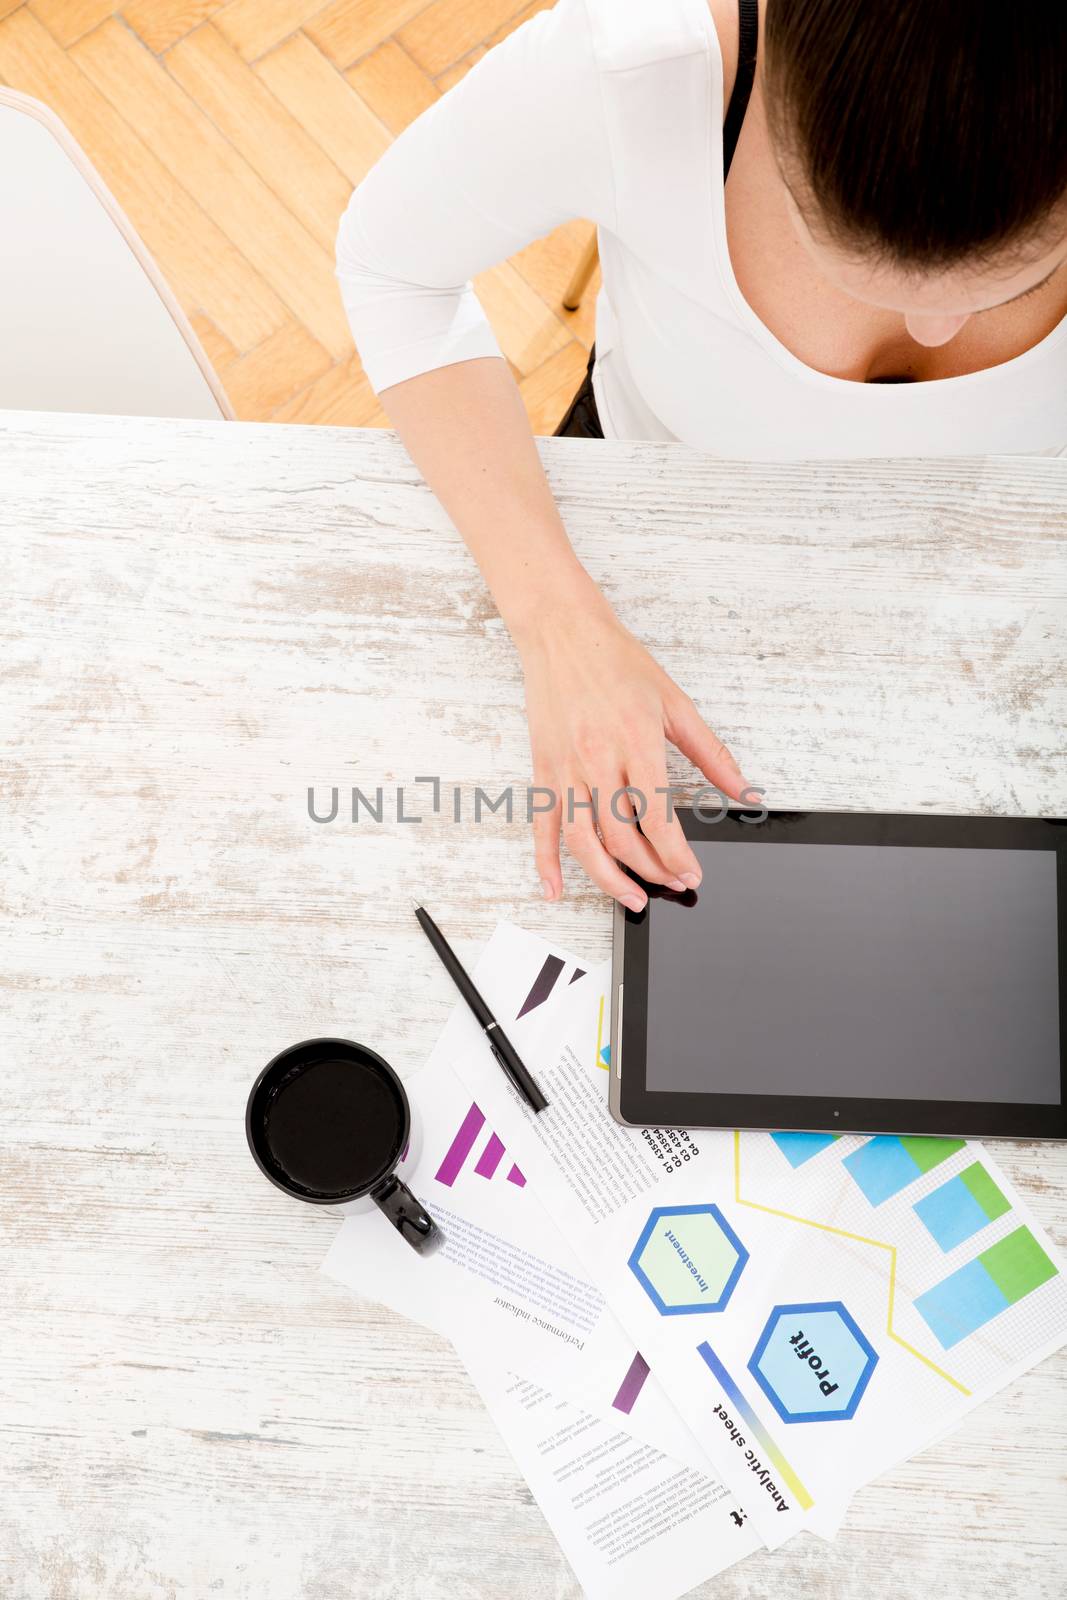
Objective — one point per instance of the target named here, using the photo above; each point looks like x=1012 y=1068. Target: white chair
x=87 y=321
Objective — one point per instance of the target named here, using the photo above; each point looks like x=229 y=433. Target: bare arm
x=520 y=145
x=599 y=706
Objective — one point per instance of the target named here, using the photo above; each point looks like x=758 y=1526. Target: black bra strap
x=747 y=42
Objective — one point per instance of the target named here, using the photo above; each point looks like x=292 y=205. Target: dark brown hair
x=928 y=131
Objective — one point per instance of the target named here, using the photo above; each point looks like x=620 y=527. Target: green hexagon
x=688 y=1259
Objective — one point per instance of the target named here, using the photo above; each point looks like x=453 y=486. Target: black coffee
x=332 y=1125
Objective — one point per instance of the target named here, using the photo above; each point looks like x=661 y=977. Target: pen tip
x=416 y=903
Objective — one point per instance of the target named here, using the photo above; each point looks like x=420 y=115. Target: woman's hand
x=599 y=707
x=600 y=710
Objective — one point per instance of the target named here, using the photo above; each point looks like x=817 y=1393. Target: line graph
x=858 y=1238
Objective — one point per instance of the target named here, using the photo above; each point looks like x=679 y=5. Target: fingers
x=619 y=839
x=687 y=729
x=618 y=829
x=579 y=832
x=680 y=869
x=599 y=839
x=546 y=826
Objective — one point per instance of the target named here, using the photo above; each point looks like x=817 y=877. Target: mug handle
x=410 y=1219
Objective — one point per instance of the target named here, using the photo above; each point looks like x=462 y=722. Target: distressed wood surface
x=201 y=621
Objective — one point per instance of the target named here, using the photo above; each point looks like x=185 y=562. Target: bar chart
x=631 y=1385
x=544 y=984
x=952 y=1212
x=800 y=1147
x=957 y=1210
x=888 y=1163
x=470 y=1130
x=488 y=1162
x=973 y=1295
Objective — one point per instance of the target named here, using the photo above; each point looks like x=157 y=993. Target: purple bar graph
x=631 y=1385
x=462 y=1145
x=460 y=1148
x=489 y=1159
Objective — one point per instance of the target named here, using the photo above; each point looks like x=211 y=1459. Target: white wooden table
x=198 y=622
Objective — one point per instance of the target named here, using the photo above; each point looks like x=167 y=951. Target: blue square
x=951 y=1214
x=800 y=1147
x=882 y=1167
x=960 y=1304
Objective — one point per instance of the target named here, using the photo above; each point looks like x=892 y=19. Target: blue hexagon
x=688 y=1259
x=813 y=1363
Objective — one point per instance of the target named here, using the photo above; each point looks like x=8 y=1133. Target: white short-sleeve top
x=613 y=110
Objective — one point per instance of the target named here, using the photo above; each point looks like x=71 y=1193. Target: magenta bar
x=631 y=1385
x=489 y=1159
x=516 y=1177
x=460 y=1148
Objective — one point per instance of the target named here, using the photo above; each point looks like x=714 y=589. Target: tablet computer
x=849 y=972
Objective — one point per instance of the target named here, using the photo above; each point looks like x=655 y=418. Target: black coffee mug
x=328 y=1121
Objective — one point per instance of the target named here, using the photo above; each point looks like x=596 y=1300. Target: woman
x=882 y=275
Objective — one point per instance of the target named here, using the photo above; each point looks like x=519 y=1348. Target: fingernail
x=548 y=889
x=691 y=880
x=676 y=884
x=632 y=902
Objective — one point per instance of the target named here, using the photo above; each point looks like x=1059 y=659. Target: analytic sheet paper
x=818 y=1307
x=631 y=1522
x=505 y=1279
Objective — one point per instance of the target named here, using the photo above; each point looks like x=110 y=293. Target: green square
x=985 y=1191
x=1017 y=1264
x=928 y=1153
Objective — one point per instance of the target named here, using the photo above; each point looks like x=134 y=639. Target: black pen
x=498 y=1041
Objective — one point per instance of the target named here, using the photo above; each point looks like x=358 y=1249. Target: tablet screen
x=889 y=972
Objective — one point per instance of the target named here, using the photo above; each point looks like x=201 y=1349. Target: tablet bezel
x=633 y=1103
